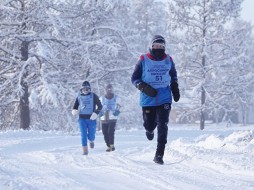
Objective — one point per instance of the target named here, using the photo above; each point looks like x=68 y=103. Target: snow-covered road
x=213 y=159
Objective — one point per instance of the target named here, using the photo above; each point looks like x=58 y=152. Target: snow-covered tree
x=149 y=18
x=48 y=48
x=236 y=91
x=37 y=39
x=202 y=25
x=24 y=24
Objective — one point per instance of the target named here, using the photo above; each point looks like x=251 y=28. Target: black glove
x=175 y=91
x=147 y=89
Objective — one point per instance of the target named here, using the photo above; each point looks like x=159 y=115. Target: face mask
x=158 y=53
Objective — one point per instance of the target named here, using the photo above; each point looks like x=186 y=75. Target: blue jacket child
x=156 y=78
x=88 y=105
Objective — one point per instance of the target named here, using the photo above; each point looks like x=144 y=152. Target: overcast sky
x=247 y=10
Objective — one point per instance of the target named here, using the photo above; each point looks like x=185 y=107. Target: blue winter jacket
x=164 y=92
x=96 y=105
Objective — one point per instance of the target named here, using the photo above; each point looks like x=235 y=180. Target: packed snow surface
x=213 y=159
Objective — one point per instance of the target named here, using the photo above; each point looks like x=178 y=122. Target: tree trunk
x=203 y=97
x=24 y=109
x=24 y=50
x=24 y=101
x=202 y=113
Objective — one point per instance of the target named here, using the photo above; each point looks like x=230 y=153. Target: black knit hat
x=86 y=84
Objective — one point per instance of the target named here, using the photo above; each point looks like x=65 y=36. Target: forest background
x=48 y=48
